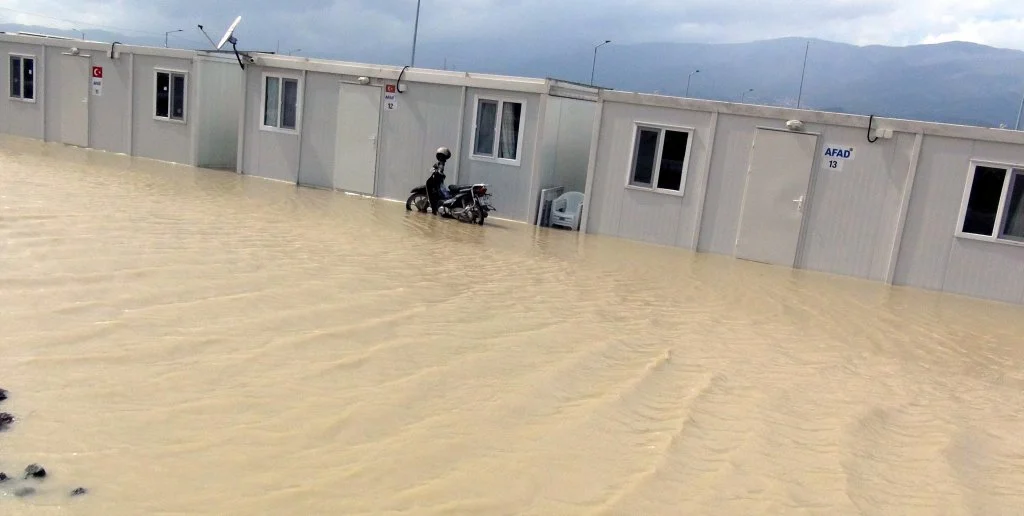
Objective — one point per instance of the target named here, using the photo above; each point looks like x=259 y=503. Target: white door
x=775 y=196
x=355 y=157
x=75 y=74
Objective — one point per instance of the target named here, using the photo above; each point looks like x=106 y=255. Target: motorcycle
x=465 y=203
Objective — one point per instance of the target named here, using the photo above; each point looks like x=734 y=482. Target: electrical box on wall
x=883 y=132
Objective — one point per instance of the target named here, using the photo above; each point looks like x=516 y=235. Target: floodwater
x=182 y=341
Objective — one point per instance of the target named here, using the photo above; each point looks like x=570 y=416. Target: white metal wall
x=120 y=118
x=651 y=217
x=931 y=256
x=931 y=218
x=565 y=145
x=853 y=216
x=109 y=114
x=18 y=117
x=726 y=180
x=52 y=77
x=427 y=117
x=510 y=184
x=219 y=93
x=320 y=126
x=158 y=139
x=269 y=154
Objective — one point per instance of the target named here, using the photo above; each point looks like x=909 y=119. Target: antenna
x=207 y=36
x=229 y=37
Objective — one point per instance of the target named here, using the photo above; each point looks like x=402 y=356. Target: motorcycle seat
x=458 y=188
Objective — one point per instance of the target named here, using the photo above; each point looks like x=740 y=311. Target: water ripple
x=186 y=341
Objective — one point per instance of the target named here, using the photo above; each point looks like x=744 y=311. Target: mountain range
x=956 y=82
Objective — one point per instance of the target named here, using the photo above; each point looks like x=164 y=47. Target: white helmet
x=443 y=154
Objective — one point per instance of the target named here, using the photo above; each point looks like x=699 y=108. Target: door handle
x=799 y=204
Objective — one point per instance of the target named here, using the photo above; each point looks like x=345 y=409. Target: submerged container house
x=927 y=205
x=168 y=104
x=373 y=130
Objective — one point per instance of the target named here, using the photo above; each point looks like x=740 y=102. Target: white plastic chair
x=566 y=210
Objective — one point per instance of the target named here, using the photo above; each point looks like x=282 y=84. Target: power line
x=96 y=26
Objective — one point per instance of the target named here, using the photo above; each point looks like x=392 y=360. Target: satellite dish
x=230 y=34
x=229 y=37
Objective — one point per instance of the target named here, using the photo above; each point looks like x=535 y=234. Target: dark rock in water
x=79 y=492
x=25 y=491
x=5 y=420
x=35 y=470
x=3 y=394
x=3 y=477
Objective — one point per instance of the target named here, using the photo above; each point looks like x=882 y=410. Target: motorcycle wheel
x=418 y=200
x=467 y=215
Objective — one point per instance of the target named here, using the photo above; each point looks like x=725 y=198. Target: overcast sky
x=357 y=27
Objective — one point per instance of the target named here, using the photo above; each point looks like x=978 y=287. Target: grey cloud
x=382 y=29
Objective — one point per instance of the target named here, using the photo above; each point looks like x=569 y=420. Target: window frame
x=35 y=78
x=280 y=105
x=631 y=163
x=170 y=95
x=493 y=156
x=1014 y=172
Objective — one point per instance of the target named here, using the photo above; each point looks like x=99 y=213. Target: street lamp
x=688 y=82
x=83 y=33
x=594 y=66
x=744 y=97
x=415 y=33
x=168 y=33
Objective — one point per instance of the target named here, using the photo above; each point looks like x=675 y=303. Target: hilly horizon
x=954 y=82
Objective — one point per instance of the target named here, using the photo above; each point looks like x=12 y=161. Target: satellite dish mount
x=229 y=37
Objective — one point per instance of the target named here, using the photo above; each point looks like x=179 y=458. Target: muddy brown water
x=185 y=341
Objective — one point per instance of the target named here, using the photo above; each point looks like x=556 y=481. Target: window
x=499 y=130
x=994 y=203
x=170 y=96
x=660 y=158
x=23 y=80
x=280 y=102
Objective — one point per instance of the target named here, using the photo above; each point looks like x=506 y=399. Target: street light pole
x=168 y=33
x=688 y=82
x=803 y=72
x=1020 y=111
x=594 y=66
x=744 y=96
x=415 y=33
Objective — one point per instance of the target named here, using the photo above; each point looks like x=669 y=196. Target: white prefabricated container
x=168 y=104
x=814 y=190
x=373 y=130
